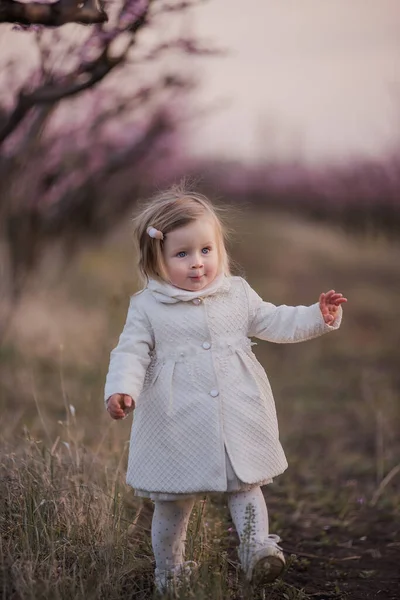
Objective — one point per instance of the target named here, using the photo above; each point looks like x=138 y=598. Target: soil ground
x=357 y=559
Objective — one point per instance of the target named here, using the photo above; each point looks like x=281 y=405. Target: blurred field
x=65 y=508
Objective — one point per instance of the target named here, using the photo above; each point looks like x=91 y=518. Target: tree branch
x=86 y=208
x=50 y=93
x=21 y=109
x=55 y=14
x=85 y=77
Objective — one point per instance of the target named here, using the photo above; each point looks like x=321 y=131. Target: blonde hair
x=166 y=211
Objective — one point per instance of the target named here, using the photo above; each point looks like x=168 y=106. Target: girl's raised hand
x=329 y=304
x=119 y=405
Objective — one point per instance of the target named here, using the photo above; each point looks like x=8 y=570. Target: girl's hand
x=119 y=405
x=329 y=304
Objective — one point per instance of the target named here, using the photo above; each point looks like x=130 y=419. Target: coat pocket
x=256 y=377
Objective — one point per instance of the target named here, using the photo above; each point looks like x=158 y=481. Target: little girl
x=205 y=418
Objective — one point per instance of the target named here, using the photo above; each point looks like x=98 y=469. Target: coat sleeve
x=131 y=357
x=285 y=324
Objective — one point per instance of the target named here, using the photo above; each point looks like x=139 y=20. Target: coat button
x=206 y=345
x=214 y=393
x=197 y=301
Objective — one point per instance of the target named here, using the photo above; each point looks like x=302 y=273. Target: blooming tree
x=85 y=130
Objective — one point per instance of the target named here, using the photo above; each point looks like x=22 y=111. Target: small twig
x=385 y=481
x=323 y=595
x=326 y=558
x=38 y=409
x=354 y=557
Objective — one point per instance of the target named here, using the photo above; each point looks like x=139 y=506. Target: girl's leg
x=260 y=556
x=250 y=515
x=168 y=532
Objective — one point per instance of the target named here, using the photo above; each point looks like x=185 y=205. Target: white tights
x=171 y=518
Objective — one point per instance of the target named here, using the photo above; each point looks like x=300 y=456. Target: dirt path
x=359 y=559
x=355 y=557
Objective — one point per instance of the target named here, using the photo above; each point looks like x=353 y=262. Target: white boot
x=169 y=580
x=262 y=561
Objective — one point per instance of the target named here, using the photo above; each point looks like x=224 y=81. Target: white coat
x=198 y=388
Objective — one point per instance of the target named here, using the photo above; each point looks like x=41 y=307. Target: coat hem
x=199 y=494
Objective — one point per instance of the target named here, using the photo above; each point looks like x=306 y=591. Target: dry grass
x=65 y=509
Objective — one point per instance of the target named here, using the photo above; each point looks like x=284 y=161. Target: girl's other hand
x=329 y=304
x=119 y=405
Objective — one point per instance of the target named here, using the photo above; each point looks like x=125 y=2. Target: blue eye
x=181 y=254
x=206 y=250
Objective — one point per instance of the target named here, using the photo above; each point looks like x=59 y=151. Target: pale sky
x=316 y=77
x=317 y=80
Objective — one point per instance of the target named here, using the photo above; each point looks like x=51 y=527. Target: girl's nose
x=197 y=263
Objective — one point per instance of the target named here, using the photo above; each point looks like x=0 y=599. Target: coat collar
x=169 y=294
